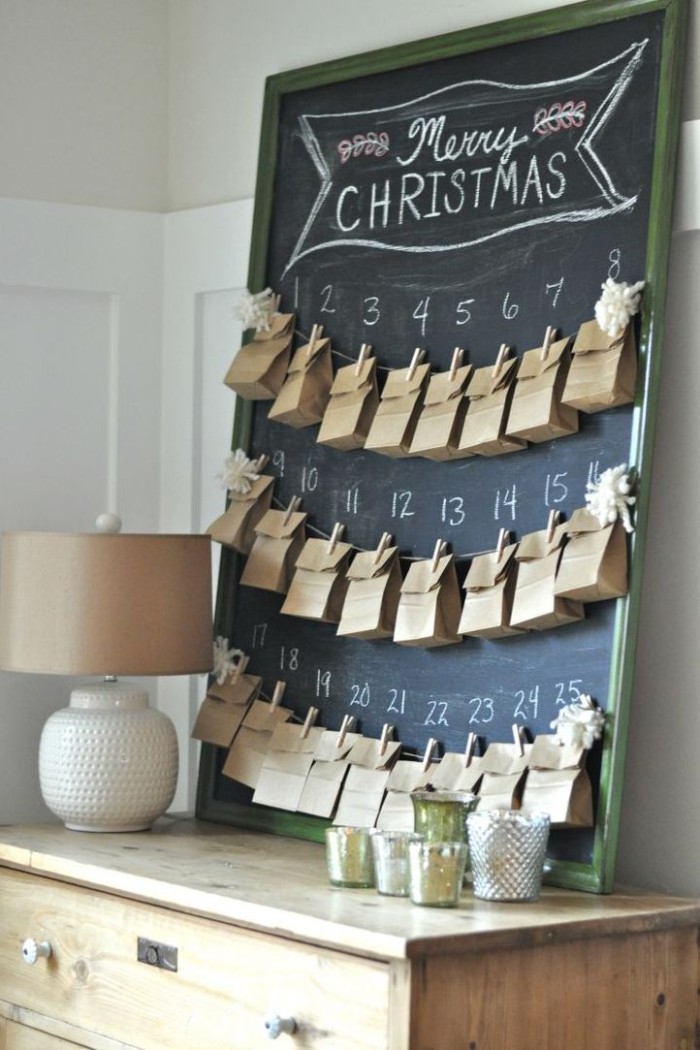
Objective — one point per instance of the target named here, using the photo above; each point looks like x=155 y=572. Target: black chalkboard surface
x=467 y=190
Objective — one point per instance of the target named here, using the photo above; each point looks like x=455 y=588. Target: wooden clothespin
x=365 y=351
x=345 y=727
x=316 y=333
x=503 y=353
x=418 y=356
x=503 y=539
x=383 y=544
x=311 y=716
x=277 y=694
x=387 y=732
x=548 y=340
x=469 y=750
x=335 y=536
x=457 y=358
x=261 y=462
x=437 y=554
x=294 y=504
x=518 y=739
x=552 y=522
x=240 y=667
x=428 y=754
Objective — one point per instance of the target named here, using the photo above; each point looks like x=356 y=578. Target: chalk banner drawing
x=466 y=191
x=449 y=164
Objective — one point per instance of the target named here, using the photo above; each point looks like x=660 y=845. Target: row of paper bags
x=540 y=582
x=352 y=779
x=462 y=412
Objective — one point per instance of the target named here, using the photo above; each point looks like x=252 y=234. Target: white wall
x=155 y=105
x=84 y=101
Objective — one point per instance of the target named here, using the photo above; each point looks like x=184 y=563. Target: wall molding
x=205 y=254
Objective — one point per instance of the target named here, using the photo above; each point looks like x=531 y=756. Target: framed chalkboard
x=471 y=189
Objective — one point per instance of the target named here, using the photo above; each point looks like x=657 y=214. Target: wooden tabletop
x=279 y=885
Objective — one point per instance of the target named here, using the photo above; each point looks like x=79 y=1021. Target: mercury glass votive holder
x=441 y=816
x=349 y=857
x=436 y=872
x=390 y=850
x=508 y=850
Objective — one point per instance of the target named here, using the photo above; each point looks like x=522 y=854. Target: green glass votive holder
x=390 y=849
x=441 y=816
x=436 y=873
x=349 y=857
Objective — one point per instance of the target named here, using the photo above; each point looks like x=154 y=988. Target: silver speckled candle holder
x=508 y=851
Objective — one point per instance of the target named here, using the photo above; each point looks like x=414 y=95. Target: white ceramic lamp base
x=108 y=762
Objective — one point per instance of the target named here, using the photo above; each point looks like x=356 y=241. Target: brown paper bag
x=453 y=773
x=489 y=587
x=502 y=791
x=504 y=770
x=394 y=423
x=361 y=797
x=372 y=598
x=374 y=754
x=224 y=708
x=354 y=398
x=322 y=788
x=236 y=526
x=279 y=538
x=536 y=412
x=442 y=416
x=558 y=784
x=397 y=813
x=593 y=566
x=318 y=587
x=365 y=785
x=325 y=780
x=535 y=605
x=304 y=394
x=489 y=395
x=259 y=368
x=429 y=606
x=286 y=765
x=603 y=371
x=245 y=758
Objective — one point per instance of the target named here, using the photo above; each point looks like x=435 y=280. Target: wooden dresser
x=236 y=929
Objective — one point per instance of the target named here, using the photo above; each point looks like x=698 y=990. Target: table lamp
x=106 y=604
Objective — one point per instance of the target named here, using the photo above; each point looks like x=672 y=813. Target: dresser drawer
x=228 y=981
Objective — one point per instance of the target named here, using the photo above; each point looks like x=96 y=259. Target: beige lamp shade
x=105 y=604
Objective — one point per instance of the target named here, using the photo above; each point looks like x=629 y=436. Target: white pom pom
x=239 y=473
x=617 y=305
x=608 y=498
x=580 y=724
x=225 y=659
x=255 y=310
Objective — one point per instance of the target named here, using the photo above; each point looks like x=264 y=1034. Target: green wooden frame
x=597 y=876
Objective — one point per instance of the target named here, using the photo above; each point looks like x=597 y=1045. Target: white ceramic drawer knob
x=277 y=1026
x=33 y=950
